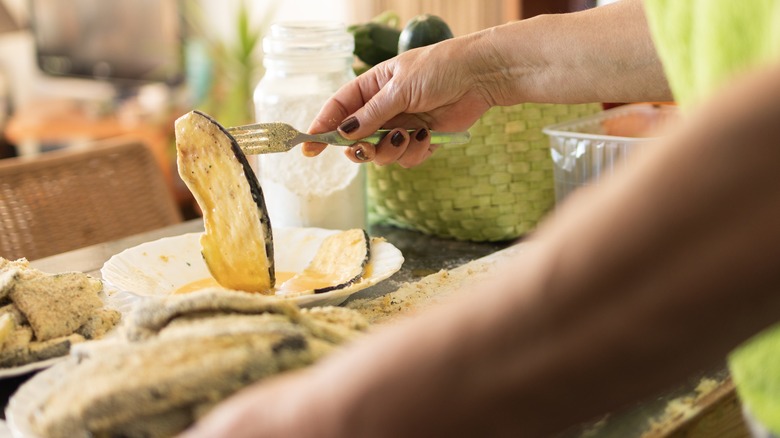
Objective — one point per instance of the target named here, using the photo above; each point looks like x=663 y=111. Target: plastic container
x=585 y=150
x=306 y=62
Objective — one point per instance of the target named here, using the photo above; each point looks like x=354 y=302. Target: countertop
x=426 y=255
x=423 y=255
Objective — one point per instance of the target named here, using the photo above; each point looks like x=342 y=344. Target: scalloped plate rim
x=160 y=282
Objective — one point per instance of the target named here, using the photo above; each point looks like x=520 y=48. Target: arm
x=629 y=288
x=601 y=55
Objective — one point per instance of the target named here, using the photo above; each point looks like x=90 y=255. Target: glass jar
x=306 y=62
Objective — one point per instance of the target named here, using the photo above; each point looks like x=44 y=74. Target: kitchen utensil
x=262 y=138
x=590 y=148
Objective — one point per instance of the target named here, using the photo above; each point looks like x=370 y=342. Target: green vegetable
x=423 y=30
x=377 y=40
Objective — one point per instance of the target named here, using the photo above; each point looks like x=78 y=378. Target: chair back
x=72 y=198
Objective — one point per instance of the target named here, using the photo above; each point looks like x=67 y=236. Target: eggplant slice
x=340 y=261
x=237 y=245
x=198 y=349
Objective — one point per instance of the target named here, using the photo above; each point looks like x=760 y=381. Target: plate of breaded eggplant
x=177 y=357
x=43 y=315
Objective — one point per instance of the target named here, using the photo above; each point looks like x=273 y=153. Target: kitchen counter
x=716 y=412
x=423 y=255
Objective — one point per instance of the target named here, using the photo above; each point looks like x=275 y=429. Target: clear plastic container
x=587 y=149
x=306 y=62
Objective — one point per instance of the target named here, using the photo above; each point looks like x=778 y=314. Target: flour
x=326 y=191
x=321 y=176
x=313 y=192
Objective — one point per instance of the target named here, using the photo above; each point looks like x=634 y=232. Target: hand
x=558 y=58
x=434 y=87
x=277 y=407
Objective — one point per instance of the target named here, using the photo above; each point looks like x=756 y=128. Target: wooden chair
x=68 y=199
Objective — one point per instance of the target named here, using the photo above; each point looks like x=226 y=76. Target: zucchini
x=423 y=30
x=340 y=261
x=375 y=42
x=237 y=244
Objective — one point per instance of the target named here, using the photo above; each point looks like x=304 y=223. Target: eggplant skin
x=237 y=245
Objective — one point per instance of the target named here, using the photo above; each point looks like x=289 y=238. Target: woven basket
x=496 y=187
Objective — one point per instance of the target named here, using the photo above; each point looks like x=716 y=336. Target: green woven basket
x=496 y=187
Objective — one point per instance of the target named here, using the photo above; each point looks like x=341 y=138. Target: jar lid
x=306 y=39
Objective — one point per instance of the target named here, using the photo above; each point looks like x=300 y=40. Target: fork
x=263 y=138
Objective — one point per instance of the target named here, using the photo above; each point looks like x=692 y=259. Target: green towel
x=703 y=44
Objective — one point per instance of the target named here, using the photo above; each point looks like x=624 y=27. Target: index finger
x=328 y=119
x=343 y=103
x=351 y=97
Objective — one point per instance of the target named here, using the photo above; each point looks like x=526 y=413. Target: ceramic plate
x=5 y=432
x=23 y=404
x=164 y=266
x=119 y=300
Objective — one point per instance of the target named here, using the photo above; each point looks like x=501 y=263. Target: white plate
x=23 y=403
x=119 y=300
x=5 y=432
x=163 y=266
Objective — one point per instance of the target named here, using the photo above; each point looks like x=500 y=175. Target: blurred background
x=76 y=71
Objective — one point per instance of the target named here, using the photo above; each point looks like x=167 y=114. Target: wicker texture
x=496 y=187
x=69 y=199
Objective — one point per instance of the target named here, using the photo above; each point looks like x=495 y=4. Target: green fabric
x=755 y=369
x=703 y=44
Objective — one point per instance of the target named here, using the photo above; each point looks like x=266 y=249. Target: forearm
x=601 y=55
x=629 y=289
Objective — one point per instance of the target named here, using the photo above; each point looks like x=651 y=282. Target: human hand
x=273 y=408
x=431 y=88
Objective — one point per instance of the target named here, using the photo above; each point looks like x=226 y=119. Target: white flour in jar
x=327 y=191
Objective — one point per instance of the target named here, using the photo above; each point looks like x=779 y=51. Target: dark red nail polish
x=397 y=139
x=350 y=124
x=421 y=134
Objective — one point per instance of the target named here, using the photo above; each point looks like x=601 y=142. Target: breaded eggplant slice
x=21 y=353
x=57 y=305
x=152 y=315
x=7 y=327
x=237 y=245
x=340 y=261
x=7 y=280
x=162 y=375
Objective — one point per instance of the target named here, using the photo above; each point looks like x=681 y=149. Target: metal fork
x=263 y=138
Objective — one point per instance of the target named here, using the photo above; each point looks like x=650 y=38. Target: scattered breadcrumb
x=681 y=408
x=412 y=297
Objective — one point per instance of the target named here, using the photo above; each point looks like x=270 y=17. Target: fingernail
x=421 y=134
x=350 y=124
x=360 y=154
x=397 y=139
